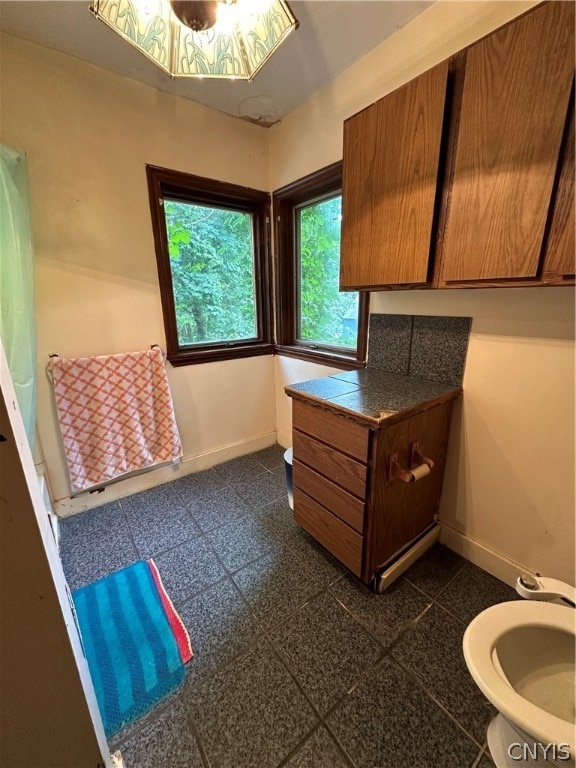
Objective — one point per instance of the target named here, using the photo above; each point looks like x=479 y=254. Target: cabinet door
x=398 y=512
x=391 y=155
x=560 y=248
x=515 y=97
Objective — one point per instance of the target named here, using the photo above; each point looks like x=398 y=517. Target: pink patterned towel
x=115 y=414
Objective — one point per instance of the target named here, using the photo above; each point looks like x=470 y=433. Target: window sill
x=194 y=357
x=323 y=357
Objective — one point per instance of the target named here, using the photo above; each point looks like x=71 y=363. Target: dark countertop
x=373 y=396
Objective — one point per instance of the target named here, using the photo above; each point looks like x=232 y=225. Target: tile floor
x=297 y=664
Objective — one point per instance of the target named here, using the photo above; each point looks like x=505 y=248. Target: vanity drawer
x=341 y=503
x=338 y=431
x=337 y=537
x=350 y=474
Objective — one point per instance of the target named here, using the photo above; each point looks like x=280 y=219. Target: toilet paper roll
x=420 y=471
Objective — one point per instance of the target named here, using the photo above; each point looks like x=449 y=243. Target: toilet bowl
x=522 y=657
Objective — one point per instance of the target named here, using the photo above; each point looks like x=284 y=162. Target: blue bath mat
x=134 y=641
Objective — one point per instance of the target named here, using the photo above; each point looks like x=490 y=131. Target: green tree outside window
x=325 y=315
x=212 y=266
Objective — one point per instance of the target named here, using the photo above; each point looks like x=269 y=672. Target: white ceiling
x=331 y=36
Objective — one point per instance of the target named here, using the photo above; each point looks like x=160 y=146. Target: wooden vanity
x=354 y=453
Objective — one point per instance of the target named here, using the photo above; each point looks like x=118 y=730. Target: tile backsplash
x=425 y=346
x=389 y=342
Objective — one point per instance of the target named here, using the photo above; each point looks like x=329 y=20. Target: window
x=211 y=249
x=315 y=321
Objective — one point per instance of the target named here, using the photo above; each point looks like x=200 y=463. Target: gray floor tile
x=239 y=470
x=316 y=559
x=326 y=650
x=222 y=508
x=485 y=762
x=250 y=714
x=188 y=569
x=280 y=519
x=275 y=586
x=444 y=672
x=241 y=542
x=220 y=625
x=384 y=615
x=156 y=533
x=271 y=457
x=198 y=485
x=388 y=722
x=263 y=488
x=166 y=742
x=88 y=561
x=148 y=502
x=91 y=524
x=244 y=702
x=158 y=520
x=472 y=591
x=434 y=569
x=319 y=751
x=127 y=733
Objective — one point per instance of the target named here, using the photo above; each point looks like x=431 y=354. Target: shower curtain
x=17 y=316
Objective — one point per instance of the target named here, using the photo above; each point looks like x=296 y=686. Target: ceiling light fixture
x=230 y=39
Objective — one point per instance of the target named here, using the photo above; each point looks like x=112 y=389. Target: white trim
x=394 y=571
x=141 y=482
x=493 y=562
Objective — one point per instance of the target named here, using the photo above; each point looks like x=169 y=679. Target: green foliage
x=211 y=260
x=326 y=315
x=212 y=273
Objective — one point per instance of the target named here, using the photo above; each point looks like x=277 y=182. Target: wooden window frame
x=184 y=187
x=284 y=201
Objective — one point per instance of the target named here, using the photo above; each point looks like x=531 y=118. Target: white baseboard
x=493 y=562
x=141 y=482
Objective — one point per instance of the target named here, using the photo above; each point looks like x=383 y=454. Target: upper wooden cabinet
x=465 y=176
x=516 y=90
x=391 y=156
x=560 y=248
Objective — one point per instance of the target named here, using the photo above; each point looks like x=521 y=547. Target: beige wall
x=88 y=134
x=310 y=137
x=509 y=488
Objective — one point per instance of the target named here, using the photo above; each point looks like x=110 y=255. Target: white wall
x=508 y=499
x=88 y=134
x=290 y=370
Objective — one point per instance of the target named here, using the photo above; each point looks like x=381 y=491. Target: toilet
x=521 y=655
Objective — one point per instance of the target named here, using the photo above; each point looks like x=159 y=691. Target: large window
x=211 y=247
x=315 y=320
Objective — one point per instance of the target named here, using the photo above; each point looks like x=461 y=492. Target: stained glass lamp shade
x=244 y=37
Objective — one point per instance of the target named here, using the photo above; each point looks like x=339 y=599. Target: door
x=49 y=715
